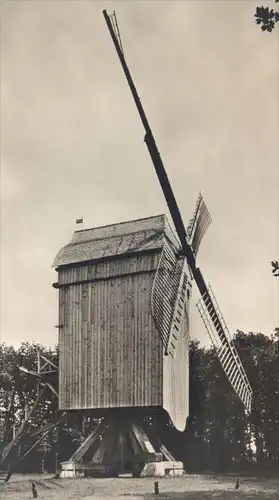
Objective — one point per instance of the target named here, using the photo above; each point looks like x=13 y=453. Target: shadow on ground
x=216 y=495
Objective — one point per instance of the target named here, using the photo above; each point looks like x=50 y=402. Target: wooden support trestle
x=117 y=445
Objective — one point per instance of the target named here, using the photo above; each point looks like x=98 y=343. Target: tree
x=18 y=393
x=275 y=268
x=220 y=437
x=266 y=18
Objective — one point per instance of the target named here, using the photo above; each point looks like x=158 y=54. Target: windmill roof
x=116 y=239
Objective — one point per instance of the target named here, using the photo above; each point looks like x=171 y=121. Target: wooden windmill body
x=123 y=289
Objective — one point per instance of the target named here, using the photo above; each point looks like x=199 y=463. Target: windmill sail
x=210 y=309
x=198 y=225
x=225 y=348
x=168 y=298
x=192 y=222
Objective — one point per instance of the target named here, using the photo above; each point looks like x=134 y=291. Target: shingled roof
x=116 y=239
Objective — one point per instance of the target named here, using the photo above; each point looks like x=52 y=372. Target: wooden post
x=121 y=453
x=56 y=462
x=38 y=362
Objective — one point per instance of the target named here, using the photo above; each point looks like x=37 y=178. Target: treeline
x=219 y=436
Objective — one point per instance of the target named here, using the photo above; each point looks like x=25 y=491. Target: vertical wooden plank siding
x=110 y=351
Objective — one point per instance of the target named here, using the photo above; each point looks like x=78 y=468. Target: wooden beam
x=9 y=447
x=142 y=439
x=134 y=443
x=84 y=447
x=122 y=452
x=35 y=444
x=162 y=448
x=111 y=444
x=38 y=362
x=50 y=426
x=30 y=372
x=48 y=361
x=45 y=431
x=103 y=278
x=104 y=445
x=50 y=386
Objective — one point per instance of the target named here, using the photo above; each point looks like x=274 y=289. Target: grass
x=190 y=487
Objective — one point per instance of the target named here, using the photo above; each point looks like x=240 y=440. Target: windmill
x=189 y=241
x=124 y=294
x=124 y=291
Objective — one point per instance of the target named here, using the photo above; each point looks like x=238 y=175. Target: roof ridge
x=120 y=223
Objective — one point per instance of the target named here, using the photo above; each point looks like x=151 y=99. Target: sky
x=72 y=144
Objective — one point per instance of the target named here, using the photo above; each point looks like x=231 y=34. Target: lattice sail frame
x=198 y=225
x=226 y=350
x=168 y=298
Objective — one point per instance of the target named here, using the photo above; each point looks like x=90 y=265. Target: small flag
x=79 y=221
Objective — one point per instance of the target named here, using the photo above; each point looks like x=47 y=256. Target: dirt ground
x=190 y=487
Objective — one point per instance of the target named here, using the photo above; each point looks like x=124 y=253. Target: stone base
x=151 y=469
x=161 y=469
x=71 y=469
